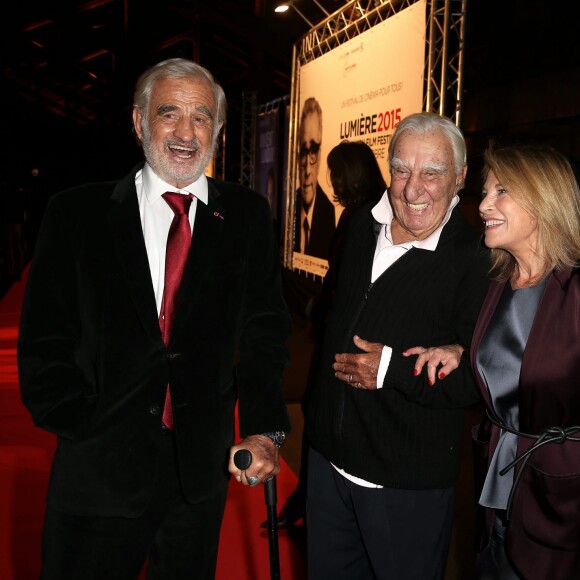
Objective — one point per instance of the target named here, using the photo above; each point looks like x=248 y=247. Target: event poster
x=357 y=91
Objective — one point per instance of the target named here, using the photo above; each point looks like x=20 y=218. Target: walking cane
x=243 y=460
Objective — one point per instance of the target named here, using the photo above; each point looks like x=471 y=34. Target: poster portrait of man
x=314 y=217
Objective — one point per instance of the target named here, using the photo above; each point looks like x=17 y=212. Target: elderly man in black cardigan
x=385 y=440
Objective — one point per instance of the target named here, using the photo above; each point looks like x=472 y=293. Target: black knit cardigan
x=406 y=434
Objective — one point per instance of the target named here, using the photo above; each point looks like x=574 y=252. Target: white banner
x=362 y=88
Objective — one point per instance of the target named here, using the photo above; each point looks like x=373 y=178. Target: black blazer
x=322 y=228
x=92 y=362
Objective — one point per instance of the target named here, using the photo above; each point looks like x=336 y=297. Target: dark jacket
x=543 y=532
x=406 y=434
x=322 y=227
x=93 y=365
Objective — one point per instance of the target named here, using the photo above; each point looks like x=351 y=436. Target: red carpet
x=25 y=458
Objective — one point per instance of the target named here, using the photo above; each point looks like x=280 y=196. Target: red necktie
x=178 y=244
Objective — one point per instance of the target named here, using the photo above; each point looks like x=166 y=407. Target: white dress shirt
x=156 y=217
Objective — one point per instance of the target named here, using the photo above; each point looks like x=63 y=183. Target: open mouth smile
x=181 y=151
x=492 y=223
x=418 y=207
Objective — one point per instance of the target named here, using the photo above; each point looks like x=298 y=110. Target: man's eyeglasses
x=311 y=153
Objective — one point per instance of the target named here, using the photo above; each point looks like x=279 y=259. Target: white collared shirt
x=156 y=217
x=386 y=254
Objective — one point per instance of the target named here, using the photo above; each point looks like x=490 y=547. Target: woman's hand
x=447 y=356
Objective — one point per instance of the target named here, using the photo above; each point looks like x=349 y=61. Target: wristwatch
x=277 y=437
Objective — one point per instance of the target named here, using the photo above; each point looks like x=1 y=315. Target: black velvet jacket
x=92 y=362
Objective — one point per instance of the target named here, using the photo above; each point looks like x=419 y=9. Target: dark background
x=69 y=68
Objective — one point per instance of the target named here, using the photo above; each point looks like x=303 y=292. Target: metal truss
x=250 y=112
x=444 y=50
x=345 y=24
x=444 y=66
x=443 y=63
x=249 y=116
x=273 y=105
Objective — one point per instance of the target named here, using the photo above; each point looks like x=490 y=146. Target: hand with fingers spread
x=446 y=357
x=359 y=370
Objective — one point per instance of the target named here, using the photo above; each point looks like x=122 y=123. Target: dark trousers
x=179 y=539
x=360 y=533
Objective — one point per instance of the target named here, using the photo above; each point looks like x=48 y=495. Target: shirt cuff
x=384 y=365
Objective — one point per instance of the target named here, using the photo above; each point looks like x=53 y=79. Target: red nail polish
x=415 y=372
x=430 y=383
x=441 y=376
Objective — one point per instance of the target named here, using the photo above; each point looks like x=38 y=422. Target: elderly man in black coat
x=145 y=417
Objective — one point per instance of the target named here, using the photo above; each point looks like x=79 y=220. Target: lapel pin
x=218 y=214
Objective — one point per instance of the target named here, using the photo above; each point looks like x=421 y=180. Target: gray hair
x=178 y=68
x=423 y=123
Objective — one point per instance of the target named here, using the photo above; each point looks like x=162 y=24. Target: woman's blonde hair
x=542 y=181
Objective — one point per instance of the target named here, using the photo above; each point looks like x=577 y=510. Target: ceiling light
x=286 y=5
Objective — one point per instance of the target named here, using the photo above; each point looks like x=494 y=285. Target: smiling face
x=423 y=183
x=508 y=225
x=179 y=130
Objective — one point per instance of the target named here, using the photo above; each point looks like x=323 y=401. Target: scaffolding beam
x=249 y=114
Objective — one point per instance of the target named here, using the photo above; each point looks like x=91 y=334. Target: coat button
x=155 y=409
